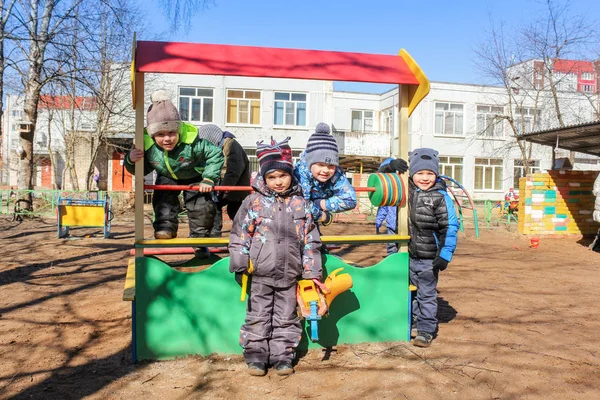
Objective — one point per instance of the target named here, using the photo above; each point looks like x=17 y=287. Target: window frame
x=363 y=120
x=445 y=114
x=497 y=167
x=535 y=168
x=528 y=115
x=490 y=120
x=244 y=98
x=190 y=106
x=446 y=162
x=285 y=111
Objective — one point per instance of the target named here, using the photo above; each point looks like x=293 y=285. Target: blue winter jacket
x=338 y=192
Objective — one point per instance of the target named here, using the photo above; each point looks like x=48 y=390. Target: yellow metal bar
x=129 y=290
x=202 y=242
x=139 y=166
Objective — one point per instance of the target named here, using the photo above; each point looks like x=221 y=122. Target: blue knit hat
x=423 y=159
x=321 y=147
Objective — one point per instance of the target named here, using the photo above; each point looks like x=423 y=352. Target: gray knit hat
x=423 y=159
x=162 y=115
x=321 y=147
x=212 y=133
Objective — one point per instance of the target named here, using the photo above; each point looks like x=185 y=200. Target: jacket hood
x=259 y=185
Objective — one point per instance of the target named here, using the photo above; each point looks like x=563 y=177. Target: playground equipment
x=177 y=313
x=463 y=200
x=87 y=213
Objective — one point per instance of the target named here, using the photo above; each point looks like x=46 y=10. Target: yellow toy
x=313 y=302
x=245 y=281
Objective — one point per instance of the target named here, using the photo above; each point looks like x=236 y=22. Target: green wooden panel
x=180 y=313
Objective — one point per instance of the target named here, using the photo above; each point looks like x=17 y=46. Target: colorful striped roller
x=389 y=190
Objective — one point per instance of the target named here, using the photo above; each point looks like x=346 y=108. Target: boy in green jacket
x=173 y=149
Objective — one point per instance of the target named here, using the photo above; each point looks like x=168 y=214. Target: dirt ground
x=515 y=323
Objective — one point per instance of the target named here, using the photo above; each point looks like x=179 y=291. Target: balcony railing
x=369 y=143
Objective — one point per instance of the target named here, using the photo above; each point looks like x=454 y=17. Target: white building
x=467 y=123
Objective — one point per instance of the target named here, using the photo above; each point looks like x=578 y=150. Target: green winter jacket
x=191 y=158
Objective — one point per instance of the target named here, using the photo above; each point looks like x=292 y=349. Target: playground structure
x=463 y=200
x=88 y=213
x=178 y=313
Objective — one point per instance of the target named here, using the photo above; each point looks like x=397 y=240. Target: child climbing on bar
x=274 y=238
x=173 y=149
x=322 y=180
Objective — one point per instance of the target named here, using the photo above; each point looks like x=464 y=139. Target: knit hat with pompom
x=321 y=147
x=162 y=114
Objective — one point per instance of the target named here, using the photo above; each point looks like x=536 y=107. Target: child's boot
x=423 y=339
x=257 y=368
x=165 y=234
x=202 y=252
x=283 y=368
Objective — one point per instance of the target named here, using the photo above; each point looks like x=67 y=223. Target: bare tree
x=5 y=11
x=181 y=12
x=522 y=60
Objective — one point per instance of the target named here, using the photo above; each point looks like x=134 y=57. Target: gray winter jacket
x=278 y=234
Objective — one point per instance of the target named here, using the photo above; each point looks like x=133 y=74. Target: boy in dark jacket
x=432 y=226
x=173 y=149
x=274 y=230
x=235 y=172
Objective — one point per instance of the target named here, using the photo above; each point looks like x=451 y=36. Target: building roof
x=582 y=138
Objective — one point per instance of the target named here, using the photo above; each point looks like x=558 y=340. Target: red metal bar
x=226 y=188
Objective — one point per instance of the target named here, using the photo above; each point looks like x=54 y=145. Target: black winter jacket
x=236 y=169
x=432 y=222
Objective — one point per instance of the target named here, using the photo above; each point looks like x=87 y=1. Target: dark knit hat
x=423 y=158
x=211 y=132
x=321 y=147
x=274 y=156
x=162 y=115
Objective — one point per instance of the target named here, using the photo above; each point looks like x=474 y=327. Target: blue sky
x=440 y=35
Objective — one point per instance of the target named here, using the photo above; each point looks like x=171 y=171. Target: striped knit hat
x=274 y=156
x=321 y=147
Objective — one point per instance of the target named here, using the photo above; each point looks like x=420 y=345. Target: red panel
x=213 y=59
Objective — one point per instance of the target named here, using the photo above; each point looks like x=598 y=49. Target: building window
x=587 y=88
x=243 y=107
x=290 y=109
x=388 y=121
x=489 y=121
x=527 y=119
x=448 y=119
x=196 y=104
x=587 y=76
x=519 y=170
x=488 y=174
x=452 y=167
x=362 y=121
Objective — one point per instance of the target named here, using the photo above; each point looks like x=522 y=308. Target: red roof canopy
x=216 y=59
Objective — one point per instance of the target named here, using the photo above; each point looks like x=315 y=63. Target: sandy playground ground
x=515 y=323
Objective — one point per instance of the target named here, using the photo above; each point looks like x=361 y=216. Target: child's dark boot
x=257 y=369
x=283 y=368
x=165 y=234
x=423 y=339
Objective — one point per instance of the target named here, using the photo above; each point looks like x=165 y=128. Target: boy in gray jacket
x=274 y=232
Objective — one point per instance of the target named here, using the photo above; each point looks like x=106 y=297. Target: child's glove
x=238 y=277
x=439 y=263
x=399 y=165
x=326 y=218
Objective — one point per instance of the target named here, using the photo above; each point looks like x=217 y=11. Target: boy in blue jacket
x=321 y=178
x=433 y=227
